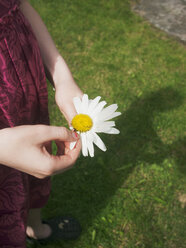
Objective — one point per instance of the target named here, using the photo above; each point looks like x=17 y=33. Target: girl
x=26 y=49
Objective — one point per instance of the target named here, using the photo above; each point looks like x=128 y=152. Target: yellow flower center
x=82 y=123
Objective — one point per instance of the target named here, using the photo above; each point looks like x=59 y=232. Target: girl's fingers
x=66 y=161
x=48 y=133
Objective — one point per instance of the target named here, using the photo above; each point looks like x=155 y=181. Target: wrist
x=61 y=74
x=4 y=137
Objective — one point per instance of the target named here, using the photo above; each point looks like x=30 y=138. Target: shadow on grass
x=85 y=190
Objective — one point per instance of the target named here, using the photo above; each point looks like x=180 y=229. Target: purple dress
x=23 y=100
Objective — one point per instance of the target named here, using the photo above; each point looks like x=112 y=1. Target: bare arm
x=57 y=69
x=50 y=55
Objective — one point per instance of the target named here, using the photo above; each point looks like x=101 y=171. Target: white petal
x=108 y=123
x=107 y=112
x=99 y=142
x=90 y=144
x=72 y=145
x=93 y=104
x=84 y=144
x=77 y=104
x=112 y=131
x=115 y=114
x=104 y=126
x=84 y=106
x=98 y=108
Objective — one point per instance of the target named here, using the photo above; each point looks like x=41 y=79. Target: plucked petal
x=72 y=145
x=99 y=142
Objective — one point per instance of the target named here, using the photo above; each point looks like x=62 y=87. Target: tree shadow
x=86 y=189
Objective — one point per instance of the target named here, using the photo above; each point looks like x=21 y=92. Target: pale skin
x=25 y=148
x=34 y=140
x=56 y=68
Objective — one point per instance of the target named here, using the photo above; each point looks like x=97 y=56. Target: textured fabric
x=23 y=100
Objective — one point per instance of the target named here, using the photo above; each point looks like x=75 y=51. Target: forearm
x=56 y=68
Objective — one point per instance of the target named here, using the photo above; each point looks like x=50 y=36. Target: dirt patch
x=167 y=15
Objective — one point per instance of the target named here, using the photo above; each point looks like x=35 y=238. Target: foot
x=35 y=228
x=42 y=231
x=66 y=228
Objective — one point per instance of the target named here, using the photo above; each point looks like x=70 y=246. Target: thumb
x=49 y=133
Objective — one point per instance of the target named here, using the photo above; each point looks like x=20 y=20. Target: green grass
x=130 y=195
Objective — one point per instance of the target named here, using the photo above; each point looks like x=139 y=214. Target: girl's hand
x=25 y=148
x=65 y=92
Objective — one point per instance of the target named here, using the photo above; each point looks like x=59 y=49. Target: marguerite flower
x=93 y=118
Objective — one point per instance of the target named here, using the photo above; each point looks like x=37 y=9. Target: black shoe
x=63 y=228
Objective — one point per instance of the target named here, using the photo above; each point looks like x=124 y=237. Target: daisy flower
x=93 y=118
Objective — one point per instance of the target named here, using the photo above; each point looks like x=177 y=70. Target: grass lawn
x=133 y=195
